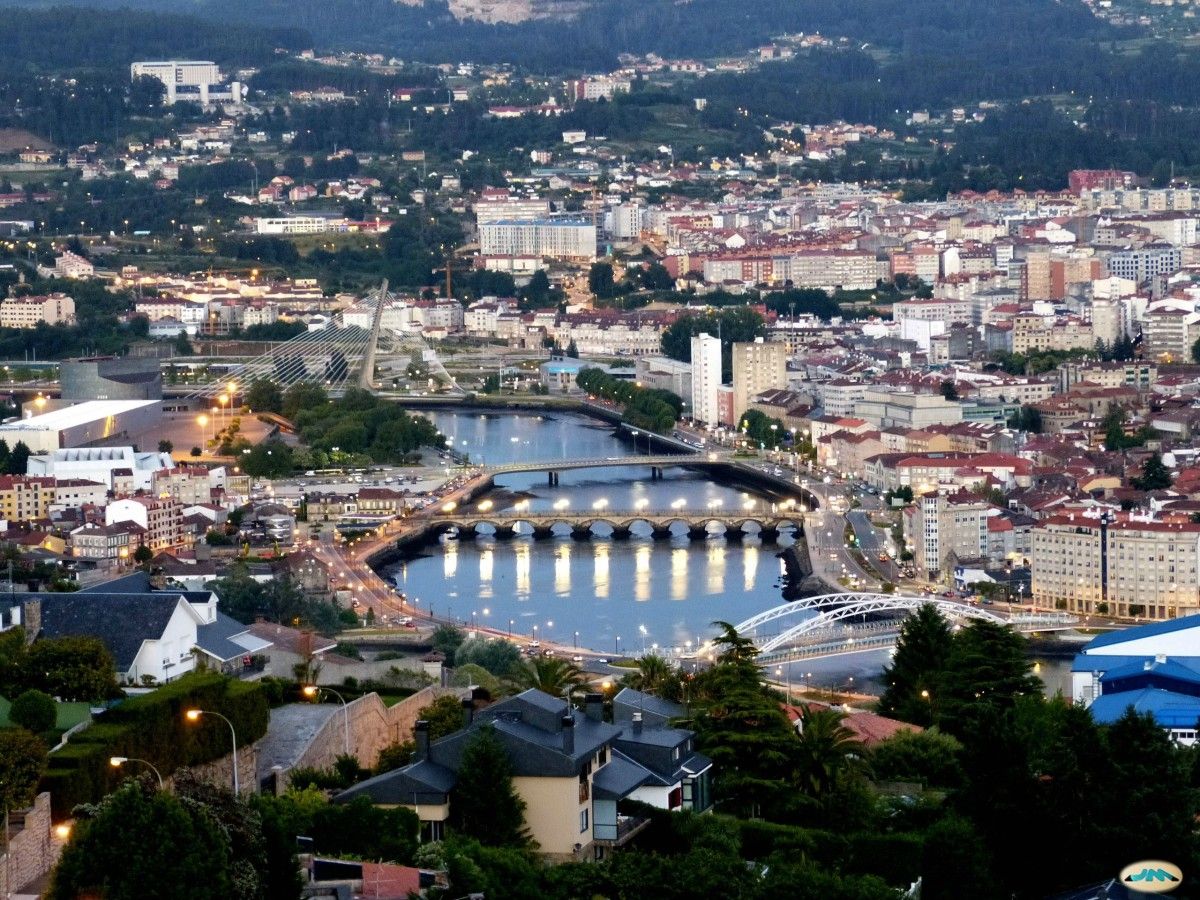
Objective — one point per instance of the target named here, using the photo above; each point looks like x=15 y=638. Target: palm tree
x=654 y=675
x=824 y=750
x=548 y=674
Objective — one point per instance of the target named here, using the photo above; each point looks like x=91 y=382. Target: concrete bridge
x=656 y=463
x=698 y=524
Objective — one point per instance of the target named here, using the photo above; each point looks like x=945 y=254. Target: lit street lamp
x=193 y=715
x=117 y=761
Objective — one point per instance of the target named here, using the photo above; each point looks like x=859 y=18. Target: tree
x=986 y=672
x=71 y=668
x=929 y=757
x=740 y=725
x=654 y=675
x=181 y=850
x=824 y=750
x=34 y=710
x=1027 y=418
x=22 y=762
x=484 y=804
x=498 y=656
x=447 y=639
x=600 y=280
x=264 y=394
x=536 y=294
x=165 y=446
x=142 y=556
x=1196 y=351
x=949 y=390
x=183 y=345
x=572 y=350
x=549 y=675
x=303 y=395
x=444 y=715
x=1155 y=475
x=18 y=460
x=911 y=678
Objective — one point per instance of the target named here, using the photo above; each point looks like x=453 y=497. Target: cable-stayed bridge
x=341 y=356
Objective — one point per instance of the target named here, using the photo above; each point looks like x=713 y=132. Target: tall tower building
x=706 y=378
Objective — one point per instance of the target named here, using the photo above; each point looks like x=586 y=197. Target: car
x=603 y=661
x=948 y=594
x=535 y=644
x=883 y=557
x=576 y=659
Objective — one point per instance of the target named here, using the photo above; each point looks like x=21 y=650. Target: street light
x=117 y=761
x=193 y=715
x=312 y=692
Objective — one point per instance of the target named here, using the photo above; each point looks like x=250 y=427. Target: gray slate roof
x=122 y=621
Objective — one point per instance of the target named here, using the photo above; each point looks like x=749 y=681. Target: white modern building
x=98 y=464
x=706 y=378
x=196 y=80
x=82 y=424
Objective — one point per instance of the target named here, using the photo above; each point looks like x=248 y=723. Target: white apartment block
x=706 y=378
x=27 y=312
x=553 y=238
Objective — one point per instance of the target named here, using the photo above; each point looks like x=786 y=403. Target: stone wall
x=220 y=771
x=33 y=847
x=373 y=726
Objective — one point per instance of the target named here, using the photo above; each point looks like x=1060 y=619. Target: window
x=583 y=821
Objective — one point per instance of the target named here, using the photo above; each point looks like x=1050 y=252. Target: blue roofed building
x=1152 y=668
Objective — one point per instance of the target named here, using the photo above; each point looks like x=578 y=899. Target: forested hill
x=70 y=38
x=701 y=28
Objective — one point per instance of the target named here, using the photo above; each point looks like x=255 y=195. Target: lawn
x=69 y=714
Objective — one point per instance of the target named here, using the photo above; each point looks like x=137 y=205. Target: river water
x=615 y=596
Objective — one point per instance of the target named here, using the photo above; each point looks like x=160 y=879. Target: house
x=569 y=766
x=868 y=728
x=153 y=636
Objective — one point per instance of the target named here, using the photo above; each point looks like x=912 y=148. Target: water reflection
x=593 y=586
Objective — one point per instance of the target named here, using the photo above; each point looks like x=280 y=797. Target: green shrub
x=153 y=727
x=34 y=710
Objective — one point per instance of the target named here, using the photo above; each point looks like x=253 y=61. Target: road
x=873 y=541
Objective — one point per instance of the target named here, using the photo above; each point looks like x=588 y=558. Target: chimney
x=593 y=707
x=421 y=736
x=568 y=735
x=468 y=706
x=637 y=723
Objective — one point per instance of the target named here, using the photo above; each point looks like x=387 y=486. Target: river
x=614 y=596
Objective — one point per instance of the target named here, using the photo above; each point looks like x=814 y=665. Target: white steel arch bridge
x=823 y=613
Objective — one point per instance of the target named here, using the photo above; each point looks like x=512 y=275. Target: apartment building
x=939 y=529
x=24 y=499
x=706 y=379
x=841 y=396
x=566 y=238
x=1032 y=333
x=28 y=312
x=189 y=485
x=160 y=518
x=1122 y=565
x=757 y=366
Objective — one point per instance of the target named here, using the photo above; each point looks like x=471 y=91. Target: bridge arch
x=830 y=609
